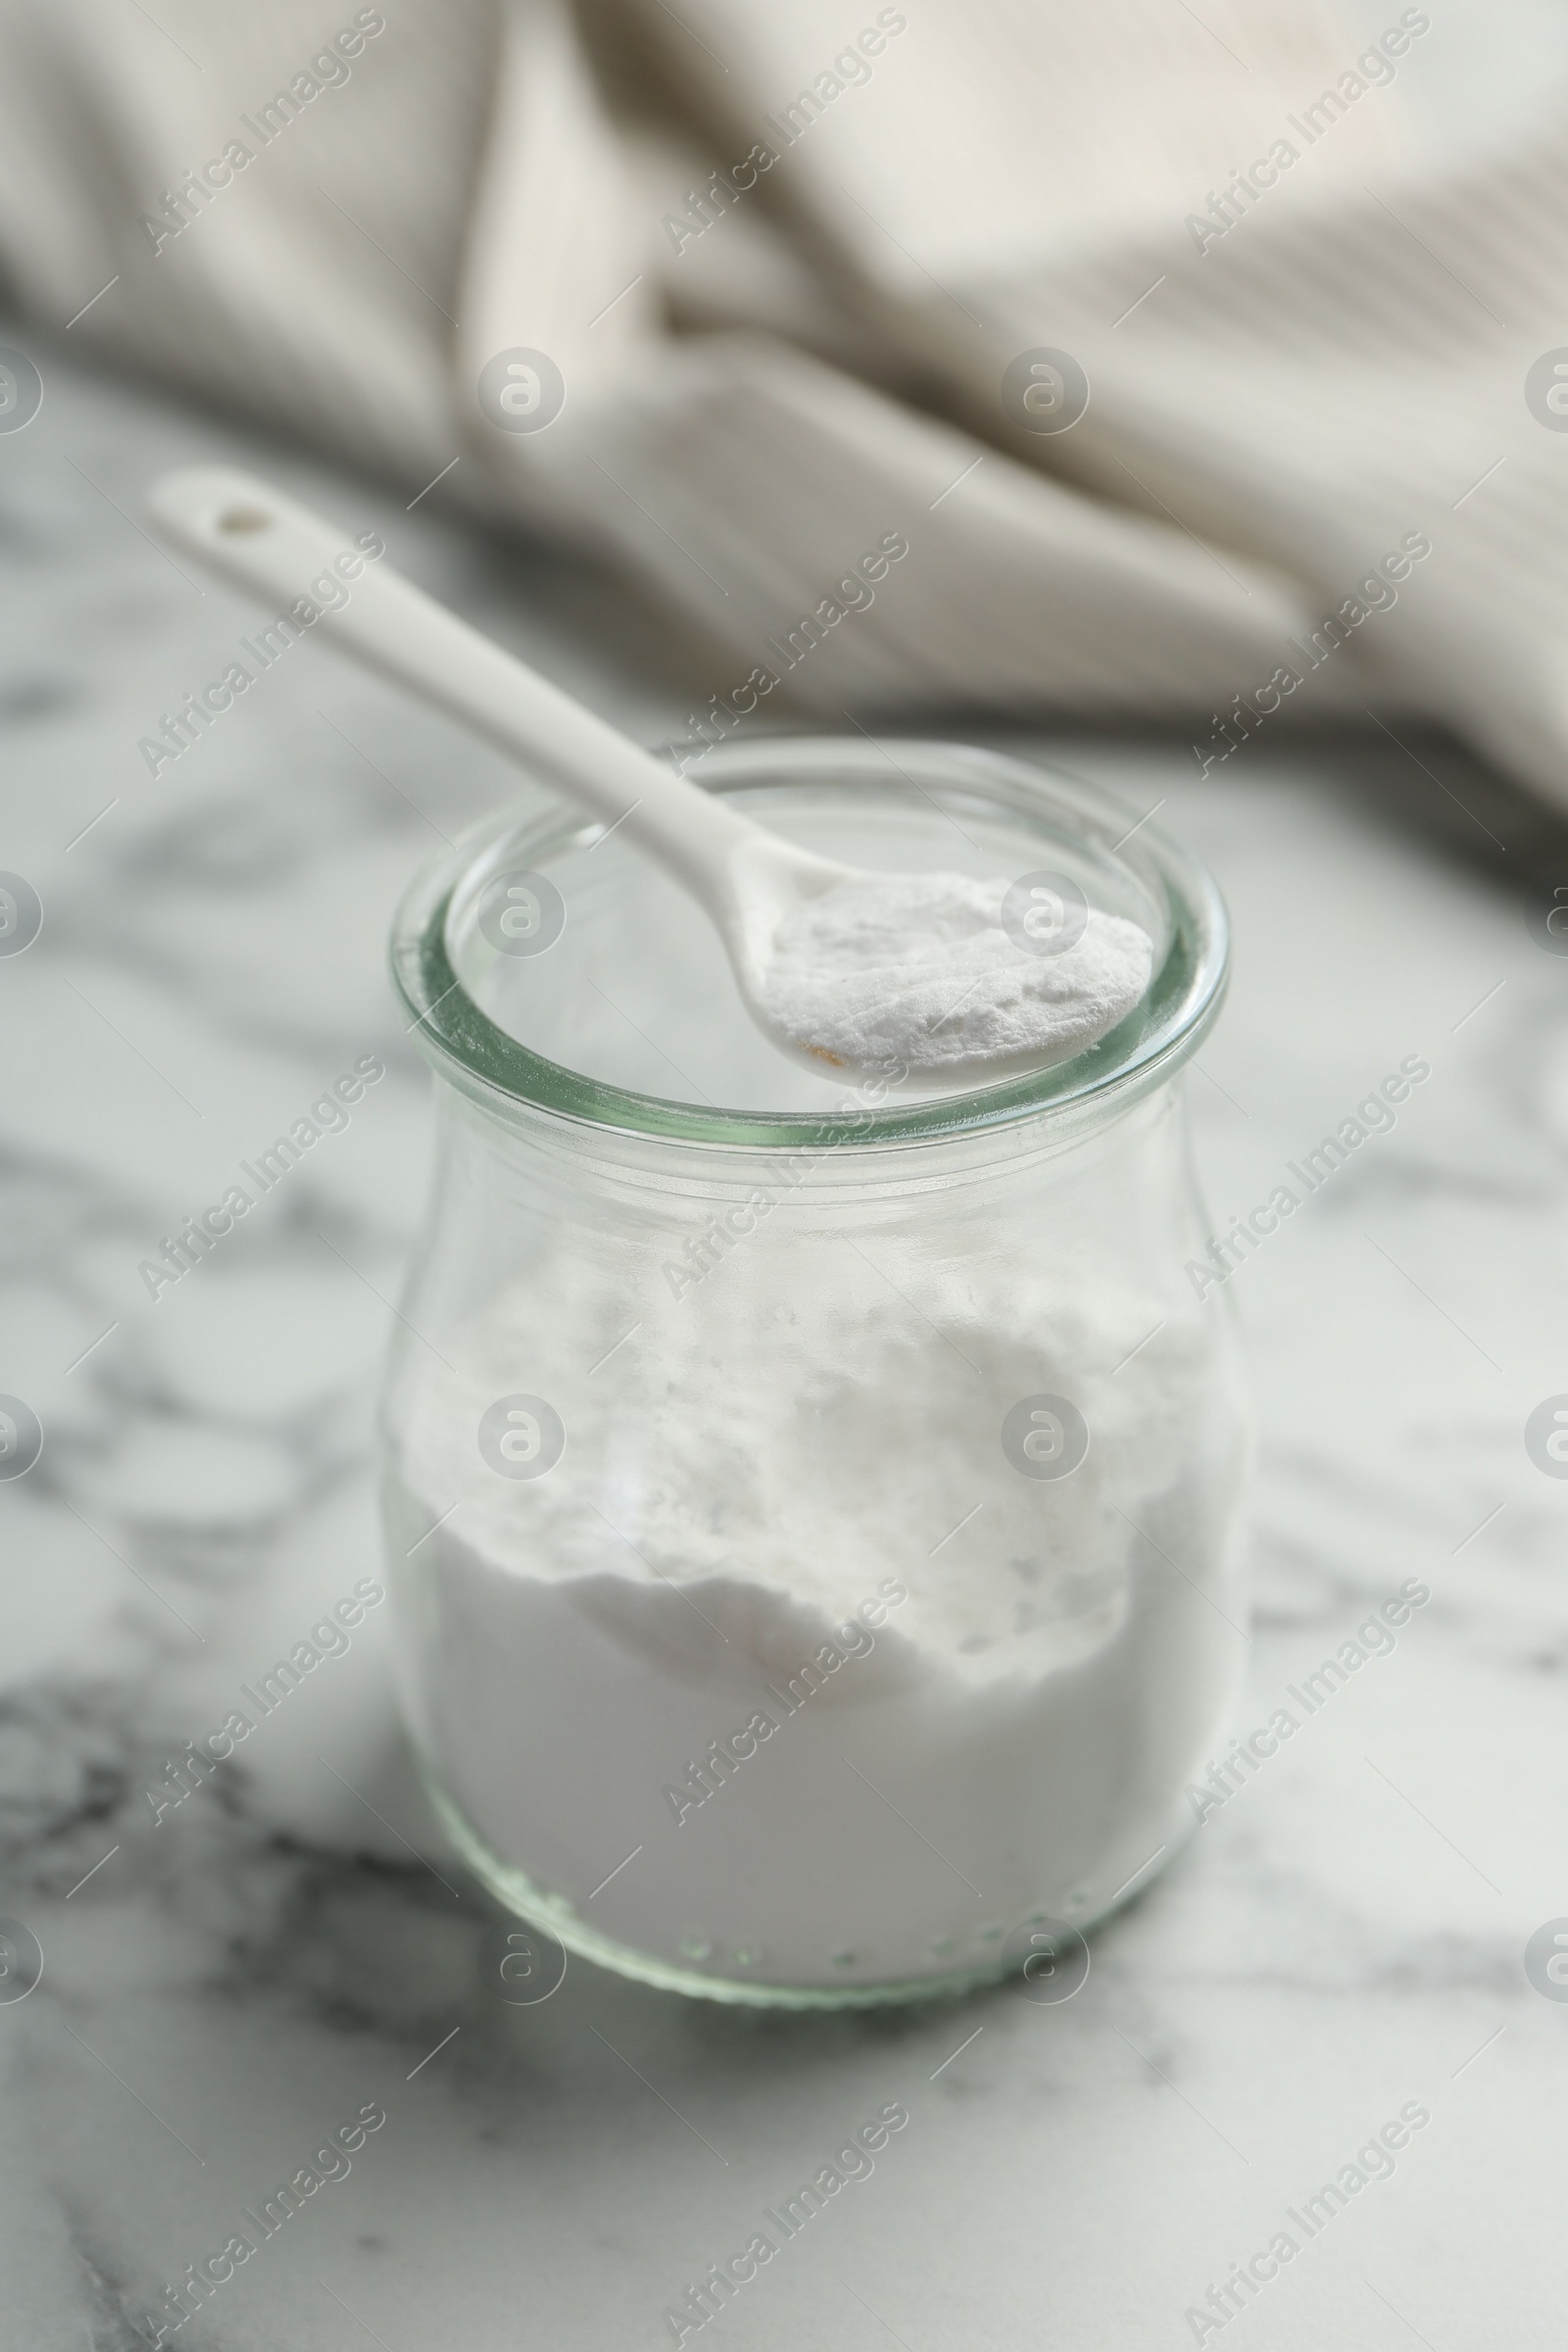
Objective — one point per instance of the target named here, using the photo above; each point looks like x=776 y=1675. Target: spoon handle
x=244 y=533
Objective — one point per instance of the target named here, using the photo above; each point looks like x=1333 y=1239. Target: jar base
x=512 y=1887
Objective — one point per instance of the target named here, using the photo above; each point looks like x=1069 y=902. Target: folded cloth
x=1133 y=360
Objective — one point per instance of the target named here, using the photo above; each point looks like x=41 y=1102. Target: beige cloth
x=1284 y=409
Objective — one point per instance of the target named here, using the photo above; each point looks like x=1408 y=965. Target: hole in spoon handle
x=237 y=520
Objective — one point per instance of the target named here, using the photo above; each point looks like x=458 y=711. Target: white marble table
x=1344 y=1937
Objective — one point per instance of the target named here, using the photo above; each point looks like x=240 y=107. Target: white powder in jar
x=928 y=969
x=723 y=1545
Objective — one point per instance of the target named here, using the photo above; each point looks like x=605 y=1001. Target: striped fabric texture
x=1191 y=385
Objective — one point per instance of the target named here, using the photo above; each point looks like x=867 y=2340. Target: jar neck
x=532 y=1143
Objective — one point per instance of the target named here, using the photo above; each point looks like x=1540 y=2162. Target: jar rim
x=490 y=1065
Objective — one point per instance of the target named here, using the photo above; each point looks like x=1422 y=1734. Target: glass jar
x=813 y=1507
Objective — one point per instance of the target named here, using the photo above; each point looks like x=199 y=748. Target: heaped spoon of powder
x=944 y=974
x=838 y=968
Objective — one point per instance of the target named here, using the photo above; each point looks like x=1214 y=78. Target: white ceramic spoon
x=748 y=880
x=246 y=534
